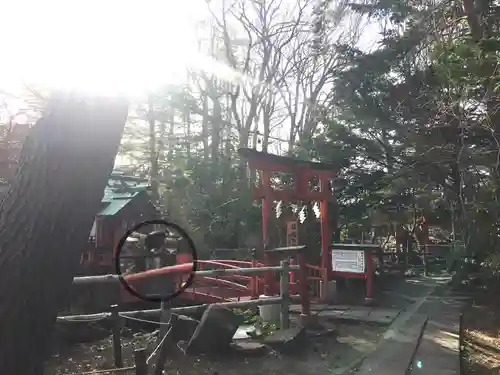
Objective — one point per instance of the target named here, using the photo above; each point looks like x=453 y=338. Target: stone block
x=215 y=332
x=323 y=329
x=250 y=348
x=331 y=292
x=183 y=328
x=287 y=341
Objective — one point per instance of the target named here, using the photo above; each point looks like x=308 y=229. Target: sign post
x=355 y=261
x=352 y=261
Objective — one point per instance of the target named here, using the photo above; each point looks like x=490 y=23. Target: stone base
x=183 y=328
x=287 y=341
x=369 y=301
x=331 y=296
x=250 y=348
x=324 y=328
x=309 y=321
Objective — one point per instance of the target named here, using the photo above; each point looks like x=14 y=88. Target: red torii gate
x=303 y=172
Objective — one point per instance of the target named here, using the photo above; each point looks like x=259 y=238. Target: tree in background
x=415 y=119
x=264 y=86
x=412 y=124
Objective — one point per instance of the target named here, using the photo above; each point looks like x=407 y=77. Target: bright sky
x=107 y=46
x=103 y=46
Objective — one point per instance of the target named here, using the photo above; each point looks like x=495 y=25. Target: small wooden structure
x=126 y=202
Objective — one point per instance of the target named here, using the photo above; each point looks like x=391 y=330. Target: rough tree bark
x=46 y=218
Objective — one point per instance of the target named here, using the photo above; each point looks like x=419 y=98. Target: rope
x=159 y=345
x=104 y=371
x=144 y=320
x=86 y=320
x=180 y=343
x=168 y=323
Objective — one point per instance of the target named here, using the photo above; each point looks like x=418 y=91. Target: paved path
x=438 y=351
x=355 y=313
x=423 y=338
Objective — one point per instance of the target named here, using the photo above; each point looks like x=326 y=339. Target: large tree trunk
x=46 y=218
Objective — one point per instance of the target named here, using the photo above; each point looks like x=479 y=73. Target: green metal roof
x=120 y=192
x=113 y=207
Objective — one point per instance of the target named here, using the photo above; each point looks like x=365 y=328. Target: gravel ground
x=334 y=354
x=331 y=353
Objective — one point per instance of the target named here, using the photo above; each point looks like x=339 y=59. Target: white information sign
x=348 y=261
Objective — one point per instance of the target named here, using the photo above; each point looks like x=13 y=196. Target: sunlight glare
x=107 y=47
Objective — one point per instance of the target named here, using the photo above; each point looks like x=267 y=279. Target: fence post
x=285 y=294
x=370 y=274
x=292 y=278
x=255 y=278
x=117 y=340
x=303 y=288
x=141 y=367
x=268 y=275
x=165 y=316
x=162 y=340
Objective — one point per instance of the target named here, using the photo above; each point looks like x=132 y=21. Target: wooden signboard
x=348 y=261
x=292 y=233
x=354 y=260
